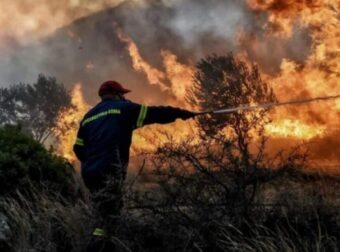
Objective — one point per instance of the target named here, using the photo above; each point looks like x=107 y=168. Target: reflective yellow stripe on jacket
x=98 y=232
x=142 y=115
x=79 y=142
x=100 y=115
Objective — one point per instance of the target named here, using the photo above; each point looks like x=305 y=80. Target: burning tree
x=224 y=169
x=223 y=82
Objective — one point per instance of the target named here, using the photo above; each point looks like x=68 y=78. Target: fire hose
x=269 y=105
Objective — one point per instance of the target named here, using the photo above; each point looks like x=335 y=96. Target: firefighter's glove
x=187 y=114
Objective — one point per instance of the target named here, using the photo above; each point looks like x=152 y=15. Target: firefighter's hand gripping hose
x=247 y=107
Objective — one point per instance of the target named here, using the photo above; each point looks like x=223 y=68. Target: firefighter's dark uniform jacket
x=106 y=130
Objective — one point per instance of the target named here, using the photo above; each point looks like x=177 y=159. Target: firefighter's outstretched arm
x=160 y=114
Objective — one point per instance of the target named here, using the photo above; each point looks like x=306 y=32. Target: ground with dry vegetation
x=192 y=205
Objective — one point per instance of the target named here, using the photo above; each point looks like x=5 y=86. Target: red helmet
x=110 y=87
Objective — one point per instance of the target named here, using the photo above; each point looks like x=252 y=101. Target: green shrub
x=25 y=162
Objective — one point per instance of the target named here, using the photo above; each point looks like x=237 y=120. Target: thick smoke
x=23 y=21
x=194 y=19
x=26 y=25
x=88 y=50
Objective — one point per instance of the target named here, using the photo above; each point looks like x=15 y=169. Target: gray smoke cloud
x=193 y=19
x=87 y=50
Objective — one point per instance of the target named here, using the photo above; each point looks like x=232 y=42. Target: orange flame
x=180 y=75
x=311 y=79
x=155 y=77
x=317 y=76
x=294 y=129
x=68 y=123
x=149 y=138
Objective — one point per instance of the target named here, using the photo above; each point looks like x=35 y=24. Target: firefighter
x=103 y=143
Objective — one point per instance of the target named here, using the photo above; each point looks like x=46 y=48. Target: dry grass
x=46 y=222
x=51 y=223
